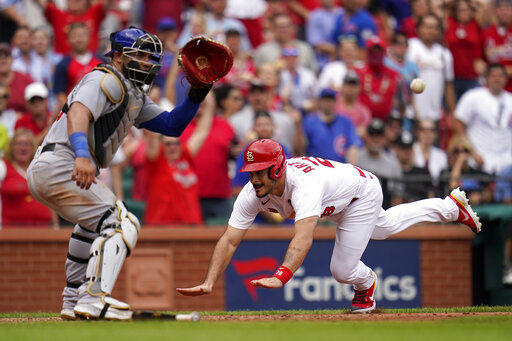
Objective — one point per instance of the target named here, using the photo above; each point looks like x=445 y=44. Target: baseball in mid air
x=417 y=85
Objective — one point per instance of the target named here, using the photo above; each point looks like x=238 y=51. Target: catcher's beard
x=132 y=71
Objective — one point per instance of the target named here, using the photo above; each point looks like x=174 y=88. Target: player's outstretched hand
x=198 y=290
x=268 y=282
x=84 y=172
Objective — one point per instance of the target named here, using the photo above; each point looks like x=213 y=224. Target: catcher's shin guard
x=76 y=265
x=117 y=239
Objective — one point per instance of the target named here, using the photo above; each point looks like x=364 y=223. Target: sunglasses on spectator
x=428 y=129
x=458 y=151
x=5 y=53
x=4 y=96
x=36 y=99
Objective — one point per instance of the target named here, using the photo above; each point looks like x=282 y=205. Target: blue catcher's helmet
x=133 y=43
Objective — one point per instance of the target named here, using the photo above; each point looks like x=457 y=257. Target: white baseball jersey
x=488 y=121
x=109 y=127
x=435 y=66
x=314 y=187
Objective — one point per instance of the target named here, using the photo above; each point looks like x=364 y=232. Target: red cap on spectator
x=375 y=41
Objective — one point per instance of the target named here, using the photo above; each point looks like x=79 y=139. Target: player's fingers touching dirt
x=195 y=291
x=268 y=282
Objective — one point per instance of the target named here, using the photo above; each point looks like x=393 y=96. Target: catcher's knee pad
x=118 y=218
x=118 y=236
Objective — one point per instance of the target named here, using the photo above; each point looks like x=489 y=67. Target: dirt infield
x=376 y=316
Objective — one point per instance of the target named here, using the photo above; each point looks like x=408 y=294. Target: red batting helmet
x=262 y=154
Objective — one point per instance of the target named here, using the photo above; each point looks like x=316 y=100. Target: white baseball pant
x=364 y=219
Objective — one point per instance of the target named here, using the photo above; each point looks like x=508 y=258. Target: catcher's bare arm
x=79 y=118
x=297 y=251
x=224 y=250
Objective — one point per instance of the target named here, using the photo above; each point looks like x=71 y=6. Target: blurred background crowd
x=325 y=78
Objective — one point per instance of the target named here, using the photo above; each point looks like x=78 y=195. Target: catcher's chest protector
x=110 y=129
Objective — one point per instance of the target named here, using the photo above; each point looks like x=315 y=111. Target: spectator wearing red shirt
x=75 y=65
x=154 y=10
x=134 y=148
x=419 y=8
x=37 y=116
x=379 y=83
x=18 y=206
x=17 y=82
x=211 y=166
x=172 y=183
x=498 y=39
x=348 y=103
x=464 y=39
x=77 y=11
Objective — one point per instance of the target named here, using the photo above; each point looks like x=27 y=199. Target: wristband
x=79 y=144
x=283 y=274
x=197 y=95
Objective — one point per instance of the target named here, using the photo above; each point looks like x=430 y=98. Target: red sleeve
x=152 y=165
x=51 y=12
x=186 y=154
x=488 y=36
x=97 y=11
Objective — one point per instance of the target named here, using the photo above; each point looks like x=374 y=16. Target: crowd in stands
x=325 y=78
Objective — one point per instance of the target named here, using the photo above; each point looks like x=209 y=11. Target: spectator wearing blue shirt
x=167 y=31
x=354 y=20
x=329 y=135
x=399 y=9
x=396 y=60
x=319 y=28
x=263 y=129
x=503 y=191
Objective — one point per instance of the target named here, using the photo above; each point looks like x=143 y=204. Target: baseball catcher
x=98 y=114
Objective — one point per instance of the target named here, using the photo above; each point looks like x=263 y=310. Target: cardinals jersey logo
x=249 y=156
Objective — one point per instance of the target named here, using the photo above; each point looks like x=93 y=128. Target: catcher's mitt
x=205 y=61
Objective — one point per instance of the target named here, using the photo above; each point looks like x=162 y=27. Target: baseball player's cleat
x=67 y=314
x=364 y=301
x=466 y=214
x=104 y=307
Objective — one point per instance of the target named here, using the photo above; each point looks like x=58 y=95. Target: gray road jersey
x=113 y=126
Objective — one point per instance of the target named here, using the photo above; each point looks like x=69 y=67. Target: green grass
x=474 y=327
x=324 y=311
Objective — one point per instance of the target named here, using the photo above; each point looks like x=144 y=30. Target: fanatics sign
x=396 y=264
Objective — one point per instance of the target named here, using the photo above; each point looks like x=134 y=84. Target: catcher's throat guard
x=205 y=61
